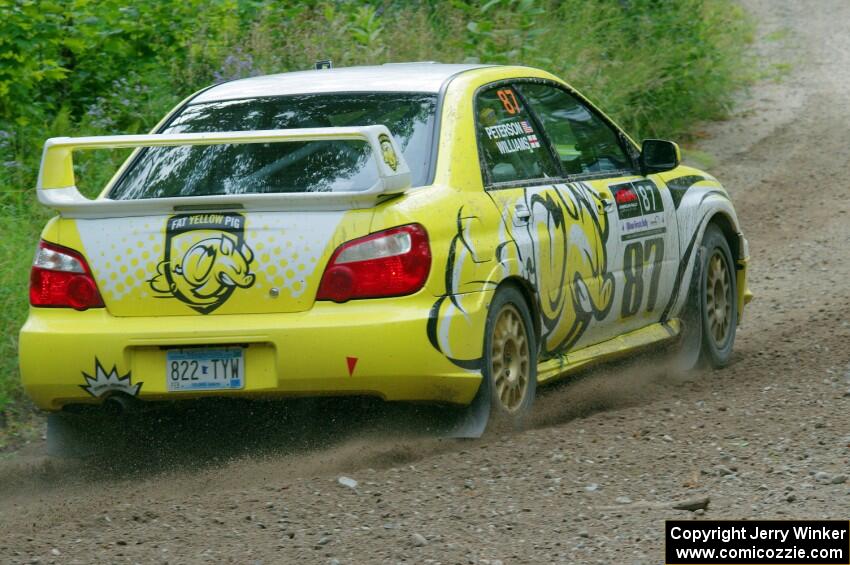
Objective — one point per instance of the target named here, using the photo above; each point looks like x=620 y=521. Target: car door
x=642 y=244
x=553 y=233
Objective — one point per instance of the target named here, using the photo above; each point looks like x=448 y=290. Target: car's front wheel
x=510 y=358
x=711 y=314
x=719 y=299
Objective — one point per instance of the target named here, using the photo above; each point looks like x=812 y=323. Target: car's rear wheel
x=711 y=314
x=510 y=358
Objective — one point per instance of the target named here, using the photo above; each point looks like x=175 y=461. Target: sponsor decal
x=626 y=196
x=639 y=208
x=205 y=260
x=645 y=233
x=103 y=382
x=634 y=199
x=387 y=151
x=628 y=205
x=636 y=224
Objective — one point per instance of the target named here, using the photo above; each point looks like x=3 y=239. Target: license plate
x=205 y=369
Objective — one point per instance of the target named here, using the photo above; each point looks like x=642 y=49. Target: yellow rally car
x=418 y=232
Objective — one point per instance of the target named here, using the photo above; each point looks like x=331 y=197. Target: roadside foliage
x=101 y=67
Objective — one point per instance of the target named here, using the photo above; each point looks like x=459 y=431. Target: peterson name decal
x=512 y=137
x=206 y=260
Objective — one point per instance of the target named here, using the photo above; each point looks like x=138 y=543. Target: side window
x=511 y=146
x=584 y=143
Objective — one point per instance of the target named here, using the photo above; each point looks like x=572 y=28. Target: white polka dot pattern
x=287 y=246
x=122 y=252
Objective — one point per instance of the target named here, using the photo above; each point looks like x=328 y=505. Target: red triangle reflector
x=352 y=362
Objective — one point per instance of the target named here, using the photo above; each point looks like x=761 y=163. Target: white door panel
x=644 y=250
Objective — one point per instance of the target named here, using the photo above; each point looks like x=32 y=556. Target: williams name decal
x=513 y=137
x=206 y=260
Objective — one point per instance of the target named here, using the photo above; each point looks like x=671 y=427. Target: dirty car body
x=344 y=232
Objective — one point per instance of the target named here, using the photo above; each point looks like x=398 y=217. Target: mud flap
x=471 y=421
x=689 y=349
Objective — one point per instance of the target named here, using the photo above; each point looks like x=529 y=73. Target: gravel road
x=611 y=453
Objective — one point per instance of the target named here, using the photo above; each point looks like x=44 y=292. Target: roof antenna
x=323 y=64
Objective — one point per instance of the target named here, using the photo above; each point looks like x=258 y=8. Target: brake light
x=61 y=278
x=394 y=262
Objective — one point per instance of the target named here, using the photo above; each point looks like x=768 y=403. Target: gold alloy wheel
x=510 y=358
x=718 y=302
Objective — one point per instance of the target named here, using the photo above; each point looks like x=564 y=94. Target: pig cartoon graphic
x=206 y=260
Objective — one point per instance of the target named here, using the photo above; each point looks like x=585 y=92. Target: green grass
x=23 y=220
x=23 y=224
x=701 y=159
x=781 y=34
x=656 y=66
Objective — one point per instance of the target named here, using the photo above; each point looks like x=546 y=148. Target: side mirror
x=658 y=155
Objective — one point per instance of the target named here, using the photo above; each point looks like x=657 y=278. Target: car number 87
x=637 y=255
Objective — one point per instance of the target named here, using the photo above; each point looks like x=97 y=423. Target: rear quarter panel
x=471 y=248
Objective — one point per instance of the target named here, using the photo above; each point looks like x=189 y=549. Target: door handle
x=521 y=214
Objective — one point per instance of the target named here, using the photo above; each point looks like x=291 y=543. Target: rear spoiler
x=57 y=186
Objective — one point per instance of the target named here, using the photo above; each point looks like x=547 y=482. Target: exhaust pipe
x=118 y=404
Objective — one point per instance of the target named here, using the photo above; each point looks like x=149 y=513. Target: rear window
x=283 y=167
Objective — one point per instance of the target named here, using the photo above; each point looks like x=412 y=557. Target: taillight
x=393 y=262
x=61 y=278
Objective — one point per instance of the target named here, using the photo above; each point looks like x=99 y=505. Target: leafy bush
x=93 y=67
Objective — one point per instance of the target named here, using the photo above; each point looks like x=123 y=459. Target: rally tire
x=510 y=359
x=718 y=299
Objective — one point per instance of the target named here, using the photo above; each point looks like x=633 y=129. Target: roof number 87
x=508 y=98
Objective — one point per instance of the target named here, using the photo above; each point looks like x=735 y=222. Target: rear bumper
x=303 y=353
